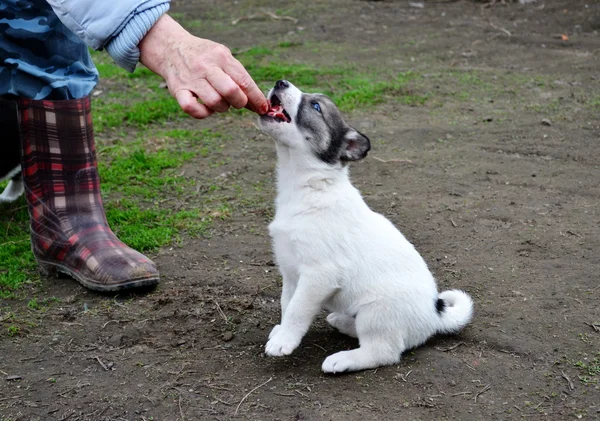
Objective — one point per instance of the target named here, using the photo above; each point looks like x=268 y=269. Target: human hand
x=199 y=69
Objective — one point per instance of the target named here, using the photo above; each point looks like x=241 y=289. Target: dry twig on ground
x=248 y=394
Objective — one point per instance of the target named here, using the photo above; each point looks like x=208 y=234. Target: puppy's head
x=313 y=125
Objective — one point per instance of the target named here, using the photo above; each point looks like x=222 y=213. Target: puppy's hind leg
x=380 y=345
x=344 y=323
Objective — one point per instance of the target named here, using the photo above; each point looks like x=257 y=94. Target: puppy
x=10 y=159
x=335 y=253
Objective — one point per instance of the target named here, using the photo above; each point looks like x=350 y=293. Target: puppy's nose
x=282 y=84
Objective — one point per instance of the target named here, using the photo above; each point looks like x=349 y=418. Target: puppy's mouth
x=276 y=110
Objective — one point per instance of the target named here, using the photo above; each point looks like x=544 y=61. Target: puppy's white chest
x=281 y=231
x=283 y=246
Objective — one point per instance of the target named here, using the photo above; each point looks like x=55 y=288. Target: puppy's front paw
x=274 y=331
x=280 y=343
x=337 y=363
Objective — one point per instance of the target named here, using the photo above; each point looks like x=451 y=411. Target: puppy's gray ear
x=356 y=146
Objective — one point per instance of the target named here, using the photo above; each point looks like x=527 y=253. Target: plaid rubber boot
x=69 y=231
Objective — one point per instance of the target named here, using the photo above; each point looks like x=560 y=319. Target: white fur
x=14 y=188
x=335 y=253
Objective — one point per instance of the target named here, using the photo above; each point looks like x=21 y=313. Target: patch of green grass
x=589 y=370
x=33 y=304
x=362 y=91
x=178 y=15
x=157 y=109
x=16 y=260
x=13 y=330
x=304 y=76
x=594 y=102
x=289 y=44
x=108 y=69
x=527 y=80
x=468 y=78
x=148 y=229
x=587 y=366
x=142 y=173
x=42 y=304
x=132 y=170
x=133 y=99
x=551 y=106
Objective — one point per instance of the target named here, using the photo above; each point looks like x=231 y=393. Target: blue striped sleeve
x=124 y=47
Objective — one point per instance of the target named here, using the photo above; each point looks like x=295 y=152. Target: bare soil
x=498 y=203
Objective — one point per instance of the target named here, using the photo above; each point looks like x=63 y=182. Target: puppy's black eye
x=316 y=106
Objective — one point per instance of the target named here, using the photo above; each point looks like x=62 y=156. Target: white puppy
x=334 y=253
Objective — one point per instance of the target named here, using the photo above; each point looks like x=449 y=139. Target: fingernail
x=264 y=109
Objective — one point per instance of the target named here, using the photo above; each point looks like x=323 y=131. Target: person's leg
x=49 y=74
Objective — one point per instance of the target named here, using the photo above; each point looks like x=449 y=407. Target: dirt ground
x=499 y=203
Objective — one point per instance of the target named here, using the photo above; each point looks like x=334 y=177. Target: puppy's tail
x=455 y=309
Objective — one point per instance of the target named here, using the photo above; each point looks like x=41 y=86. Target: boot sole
x=51 y=268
